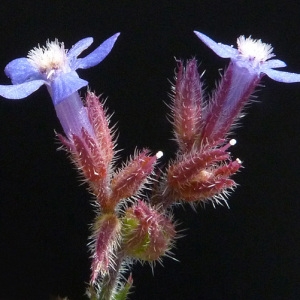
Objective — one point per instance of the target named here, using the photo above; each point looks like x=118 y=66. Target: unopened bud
x=147 y=234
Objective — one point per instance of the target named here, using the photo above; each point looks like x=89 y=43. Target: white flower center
x=50 y=59
x=254 y=50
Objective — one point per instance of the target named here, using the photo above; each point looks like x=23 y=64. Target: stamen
x=238 y=161
x=159 y=154
x=254 y=49
x=49 y=58
x=232 y=142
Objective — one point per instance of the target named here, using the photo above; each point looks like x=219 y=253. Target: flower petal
x=65 y=85
x=274 y=63
x=19 y=91
x=221 y=50
x=98 y=54
x=280 y=76
x=21 y=70
x=77 y=49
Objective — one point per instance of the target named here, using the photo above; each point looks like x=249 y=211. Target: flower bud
x=147 y=234
x=202 y=175
x=100 y=122
x=187 y=105
x=106 y=237
x=131 y=178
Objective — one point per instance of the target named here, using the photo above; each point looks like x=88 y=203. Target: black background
x=250 y=251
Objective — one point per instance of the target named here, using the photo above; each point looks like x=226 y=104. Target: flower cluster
x=127 y=227
x=203 y=167
x=131 y=224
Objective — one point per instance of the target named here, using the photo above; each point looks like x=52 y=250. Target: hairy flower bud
x=106 y=237
x=189 y=166
x=147 y=234
x=92 y=150
x=201 y=175
x=187 y=105
x=209 y=183
x=89 y=157
x=100 y=122
x=131 y=178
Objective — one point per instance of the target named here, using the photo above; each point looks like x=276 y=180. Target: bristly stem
x=110 y=280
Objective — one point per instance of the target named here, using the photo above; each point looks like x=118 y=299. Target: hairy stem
x=110 y=281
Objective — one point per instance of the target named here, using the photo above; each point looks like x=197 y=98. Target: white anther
x=232 y=142
x=159 y=154
x=238 y=161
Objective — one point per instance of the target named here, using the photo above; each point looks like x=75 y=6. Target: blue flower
x=248 y=64
x=252 y=55
x=55 y=67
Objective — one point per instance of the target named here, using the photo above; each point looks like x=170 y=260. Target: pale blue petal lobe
x=280 y=76
x=19 y=91
x=21 y=70
x=221 y=50
x=98 y=54
x=79 y=47
x=274 y=63
x=65 y=85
